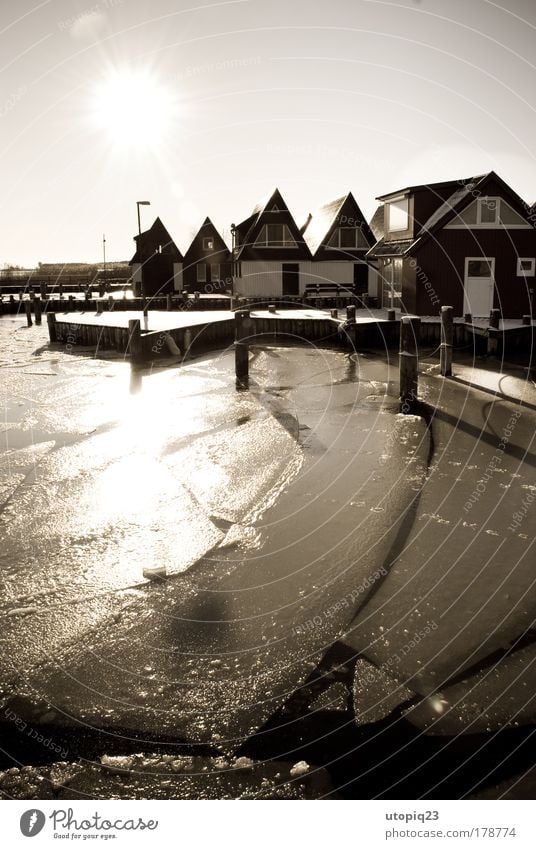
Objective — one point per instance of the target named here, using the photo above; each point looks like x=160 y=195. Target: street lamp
x=138 y=204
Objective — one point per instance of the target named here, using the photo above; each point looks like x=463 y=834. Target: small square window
x=526 y=266
x=208 y=244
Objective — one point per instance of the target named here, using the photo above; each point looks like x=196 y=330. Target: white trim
x=521 y=272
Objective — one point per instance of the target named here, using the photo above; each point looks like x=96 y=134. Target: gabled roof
x=220 y=251
x=377 y=223
x=271 y=210
x=325 y=221
x=148 y=242
x=434 y=187
x=464 y=192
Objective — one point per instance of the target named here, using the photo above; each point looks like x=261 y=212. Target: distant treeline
x=66 y=271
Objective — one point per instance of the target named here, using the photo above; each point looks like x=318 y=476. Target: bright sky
x=202 y=108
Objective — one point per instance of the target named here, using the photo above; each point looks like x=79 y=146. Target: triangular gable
x=463 y=198
x=323 y=232
x=155 y=240
x=220 y=251
x=468 y=217
x=264 y=215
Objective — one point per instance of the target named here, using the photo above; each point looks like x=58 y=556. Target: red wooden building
x=470 y=244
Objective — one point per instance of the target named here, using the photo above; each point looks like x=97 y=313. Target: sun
x=134 y=108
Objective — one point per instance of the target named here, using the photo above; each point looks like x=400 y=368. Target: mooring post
x=52 y=332
x=351 y=325
x=527 y=319
x=447 y=341
x=409 y=362
x=468 y=318
x=134 y=338
x=197 y=297
x=99 y=307
x=243 y=329
x=187 y=343
x=391 y=315
x=43 y=288
x=168 y=303
x=110 y=303
x=28 y=311
x=271 y=307
x=37 y=310
x=493 y=342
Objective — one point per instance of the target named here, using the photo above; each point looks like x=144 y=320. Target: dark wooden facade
x=156 y=262
x=207 y=263
x=428 y=264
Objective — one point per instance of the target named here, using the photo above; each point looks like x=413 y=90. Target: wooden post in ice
x=134 y=338
x=351 y=326
x=28 y=311
x=493 y=341
x=168 y=303
x=51 y=321
x=243 y=328
x=37 y=310
x=187 y=343
x=447 y=341
x=409 y=337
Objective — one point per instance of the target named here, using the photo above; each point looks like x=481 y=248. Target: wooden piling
x=408 y=359
x=134 y=338
x=37 y=310
x=243 y=331
x=168 y=303
x=391 y=315
x=468 y=318
x=447 y=341
x=28 y=311
x=187 y=343
x=493 y=341
x=527 y=320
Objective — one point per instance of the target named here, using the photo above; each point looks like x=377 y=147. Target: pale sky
x=203 y=108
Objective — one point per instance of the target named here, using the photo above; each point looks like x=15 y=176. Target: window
x=201 y=272
x=347 y=238
x=479 y=268
x=208 y=244
x=214 y=272
x=488 y=210
x=275 y=236
x=526 y=267
x=398 y=215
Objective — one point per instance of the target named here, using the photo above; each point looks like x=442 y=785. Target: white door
x=478 y=285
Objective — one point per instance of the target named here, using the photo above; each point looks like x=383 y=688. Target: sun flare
x=134 y=108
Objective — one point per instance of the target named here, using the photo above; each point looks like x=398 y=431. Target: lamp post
x=138 y=204
x=104 y=259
